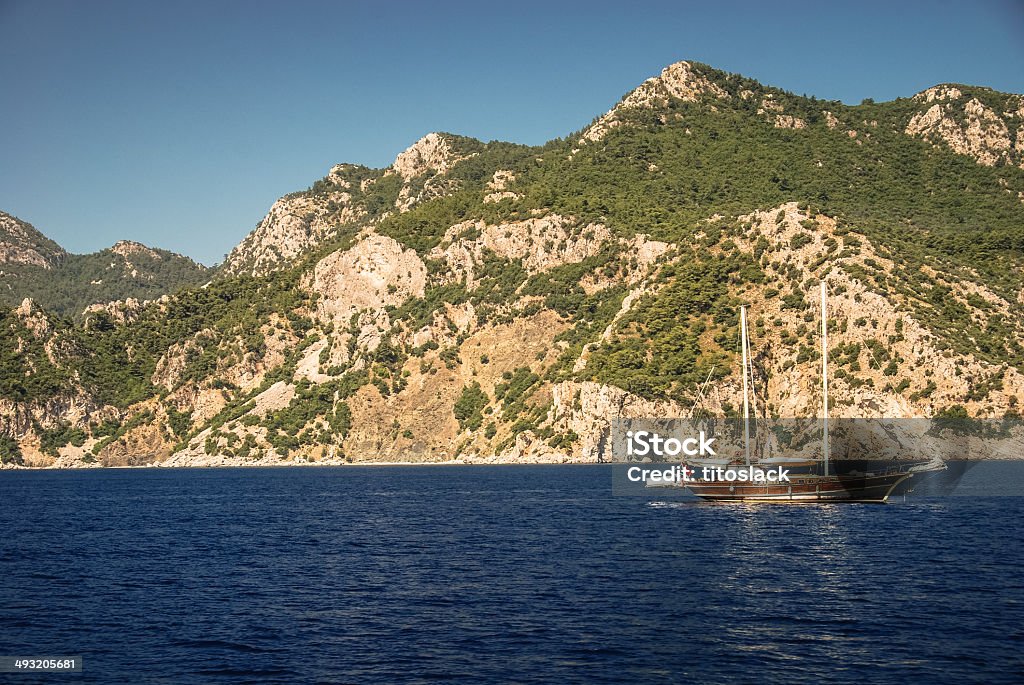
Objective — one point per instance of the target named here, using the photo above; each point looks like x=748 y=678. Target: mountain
x=33 y=266
x=22 y=245
x=493 y=301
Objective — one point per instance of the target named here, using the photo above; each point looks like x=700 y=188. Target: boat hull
x=804 y=489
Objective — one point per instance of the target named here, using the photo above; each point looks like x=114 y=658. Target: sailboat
x=810 y=479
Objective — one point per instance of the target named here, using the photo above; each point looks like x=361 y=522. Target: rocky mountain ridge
x=348 y=195
x=990 y=133
x=22 y=244
x=33 y=266
x=948 y=115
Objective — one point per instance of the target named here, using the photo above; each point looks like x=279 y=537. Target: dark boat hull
x=810 y=488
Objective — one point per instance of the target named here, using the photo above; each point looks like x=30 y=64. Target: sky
x=179 y=124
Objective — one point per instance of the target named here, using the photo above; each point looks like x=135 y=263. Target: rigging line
x=864 y=342
x=700 y=392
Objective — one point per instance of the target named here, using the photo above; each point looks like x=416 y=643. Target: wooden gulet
x=810 y=481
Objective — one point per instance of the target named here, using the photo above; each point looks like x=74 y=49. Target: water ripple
x=496 y=574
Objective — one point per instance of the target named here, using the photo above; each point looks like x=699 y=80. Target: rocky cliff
x=979 y=123
x=497 y=302
x=349 y=196
x=22 y=244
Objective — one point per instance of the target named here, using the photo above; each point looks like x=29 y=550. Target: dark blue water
x=496 y=574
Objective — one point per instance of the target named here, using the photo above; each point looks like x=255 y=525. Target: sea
x=496 y=574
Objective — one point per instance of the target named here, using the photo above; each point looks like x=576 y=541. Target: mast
x=746 y=400
x=753 y=388
x=824 y=370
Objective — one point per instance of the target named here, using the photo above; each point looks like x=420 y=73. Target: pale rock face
x=640 y=248
x=677 y=80
x=528 y=448
x=432 y=156
x=120 y=311
x=830 y=119
x=787 y=121
x=768 y=104
x=207 y=403
x=75 y=407
x=435 y=186
x=491 y=198
x=277 y=396
x=498 y=186
x=20 y=243
x=371 y=327
x=249 y=372
x=172 y=364
x=143 y=444
x=463 y=316
x=33 y=318
x=293 y=225
x=539 y=243
x=130 y=248
x=983 y=135
x=309 y=366
x=589 y=409
x=429 y=154
x=374 y=273
x=246 y=372
x=13 y=253
x=501 y=179
x=337 y=175
x=939 y=93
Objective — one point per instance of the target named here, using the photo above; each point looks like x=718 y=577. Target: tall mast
x=746 y=398
x=824 y=369
x=750 y=374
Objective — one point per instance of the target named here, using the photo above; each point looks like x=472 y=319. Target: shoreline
x=382 y=464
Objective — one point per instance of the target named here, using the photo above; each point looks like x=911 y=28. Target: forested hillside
x=498 y=301
x=33 y=266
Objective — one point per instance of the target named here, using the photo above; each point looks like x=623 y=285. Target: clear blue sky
x=179 y=123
